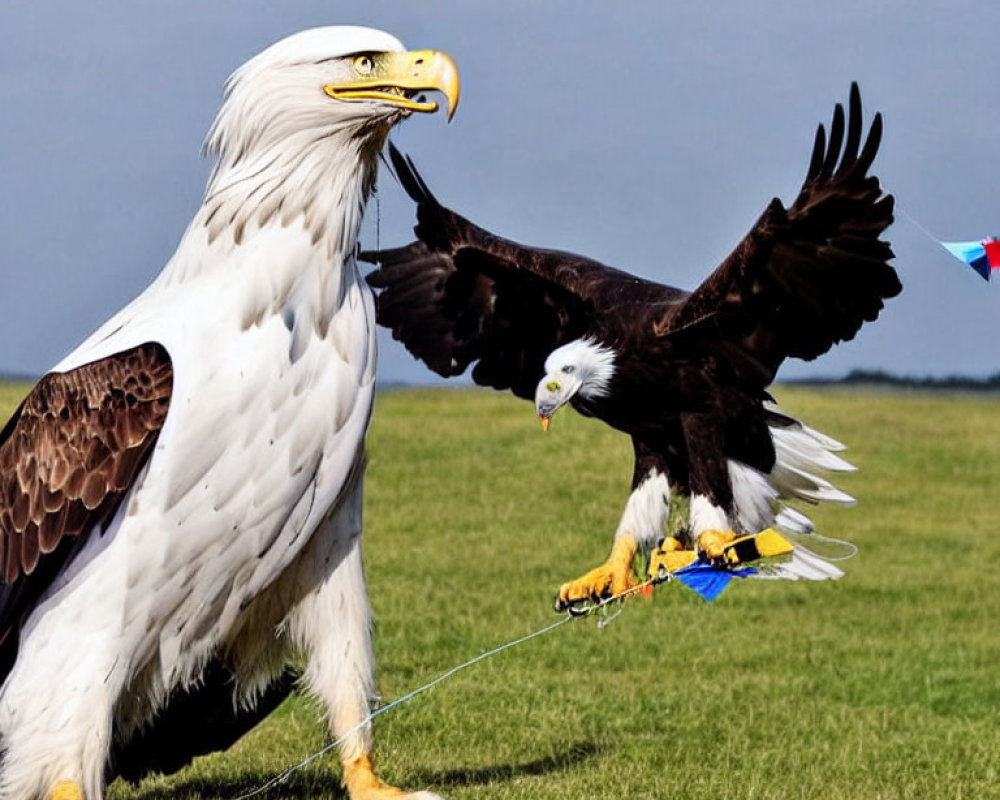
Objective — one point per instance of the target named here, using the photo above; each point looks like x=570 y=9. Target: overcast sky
x=648 y=135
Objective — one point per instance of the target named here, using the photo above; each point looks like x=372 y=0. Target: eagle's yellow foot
x=730 y=549
x=669 y=557
x=613 y=577
x=66 y=790
x=363 y=784
x=712 y=544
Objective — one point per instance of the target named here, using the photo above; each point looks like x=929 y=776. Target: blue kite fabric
x=710 y=581
x=983 y=256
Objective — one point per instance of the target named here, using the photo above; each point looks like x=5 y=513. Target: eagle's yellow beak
x=396 y=78
x=546 y=421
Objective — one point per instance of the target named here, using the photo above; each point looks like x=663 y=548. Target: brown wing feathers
x=807 y=277
x=72 y=449
x=831 y=261
x=460 y=295
x=435 y=311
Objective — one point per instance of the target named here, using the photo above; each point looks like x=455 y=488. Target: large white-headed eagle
x=180 y=498
x=685 y=374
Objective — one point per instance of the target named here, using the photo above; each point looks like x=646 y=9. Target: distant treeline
x=12 y=377
x=866 y=377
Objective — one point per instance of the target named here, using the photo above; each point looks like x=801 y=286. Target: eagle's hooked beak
x=550 y=396
x=397 y=78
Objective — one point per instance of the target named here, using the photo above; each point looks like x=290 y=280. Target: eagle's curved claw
x=574 y=610
x=612 y=578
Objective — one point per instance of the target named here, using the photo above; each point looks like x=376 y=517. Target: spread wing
x=806 y=277
x=460 y=295
x=67 y=457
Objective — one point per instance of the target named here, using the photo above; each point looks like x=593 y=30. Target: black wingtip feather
x=853 y=130
x=870 y=149
x=830 y=270
x=409 y=178
x=838 y=156
x=819 y=150
x=836 y=139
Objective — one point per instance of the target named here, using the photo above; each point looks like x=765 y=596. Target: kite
x=180 y=497
x=767 y=555
x=983 y=256
x=684 y=374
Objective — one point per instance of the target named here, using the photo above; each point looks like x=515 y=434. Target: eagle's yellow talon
x=766 y=544
x=613 y=577
x=363 y=784
x=732 y=549
x=669 y=557
x=66 y=790
x=713 y=543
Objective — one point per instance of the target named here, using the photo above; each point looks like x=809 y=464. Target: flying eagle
x=180 y=498
x=685 y=374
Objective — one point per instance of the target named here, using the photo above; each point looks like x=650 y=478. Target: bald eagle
x=180 y=497
x=685 y=374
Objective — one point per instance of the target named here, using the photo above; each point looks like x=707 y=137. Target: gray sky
x=649 y=135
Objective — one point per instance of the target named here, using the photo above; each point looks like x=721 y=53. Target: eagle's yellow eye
x=552 y=386
x=364 y=65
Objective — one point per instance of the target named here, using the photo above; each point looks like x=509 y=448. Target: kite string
x=902 y=212
x=586 y=612
x=850 y=547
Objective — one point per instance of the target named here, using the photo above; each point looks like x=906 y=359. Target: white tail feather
x=793 y=482
x=827 y=442
x=803 y=564
x=800 y=453
x=801 y=456
x=754 y=498
x=803 y=447
x=794 y=521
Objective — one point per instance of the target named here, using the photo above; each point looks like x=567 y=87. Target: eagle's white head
x=302 y=125
x=581 y=367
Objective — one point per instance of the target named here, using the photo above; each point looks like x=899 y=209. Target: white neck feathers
x=283 y=206
x=320 y=179
x=593 y=363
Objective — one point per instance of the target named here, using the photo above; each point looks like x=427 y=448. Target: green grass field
x=885 y=684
